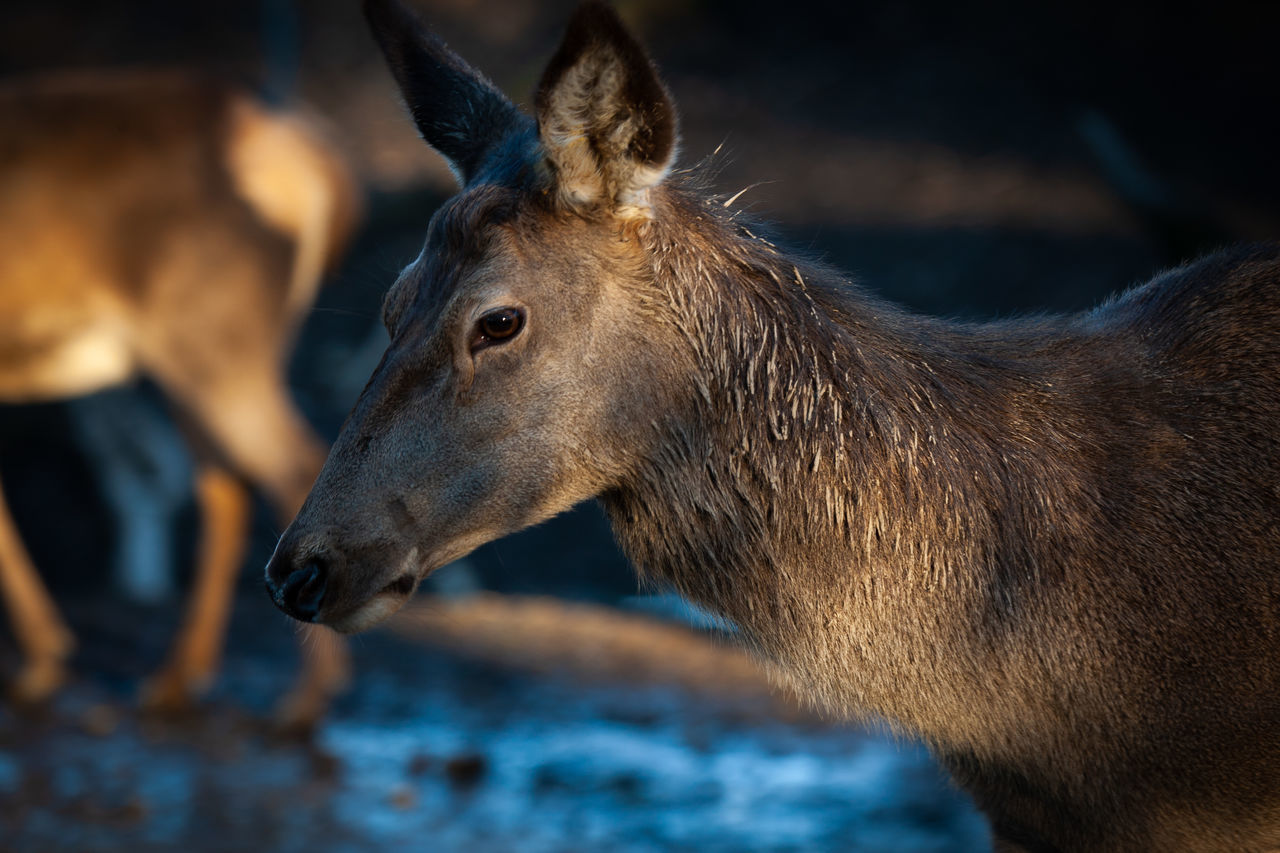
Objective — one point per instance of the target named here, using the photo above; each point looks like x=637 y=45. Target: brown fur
x=1048 y=547
x=160 y=224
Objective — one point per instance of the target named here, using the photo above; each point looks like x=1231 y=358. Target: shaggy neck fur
x=848 y=472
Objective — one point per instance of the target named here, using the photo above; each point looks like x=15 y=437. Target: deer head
x=528 y=352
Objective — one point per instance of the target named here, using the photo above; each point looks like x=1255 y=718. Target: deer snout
x=302 y=591
x=322 y=578
x=298 y=583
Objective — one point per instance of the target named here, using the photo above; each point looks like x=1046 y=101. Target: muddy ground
x=972 y=159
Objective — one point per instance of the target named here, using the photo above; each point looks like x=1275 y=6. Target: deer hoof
x=299 y=712
x=171 y=693
x=37 y=682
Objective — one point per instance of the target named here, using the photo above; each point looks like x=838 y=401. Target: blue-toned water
x=436 y=750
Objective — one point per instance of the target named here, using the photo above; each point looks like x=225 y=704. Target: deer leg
x=45 y=639
x=326 y=657
x=255 y=428
x=194 y=658
x=326 y=672
x=284 y=469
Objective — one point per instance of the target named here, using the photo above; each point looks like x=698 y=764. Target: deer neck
x=842 y=488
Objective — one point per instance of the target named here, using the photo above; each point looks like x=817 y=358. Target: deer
x=161 y=224
x=1047 y=547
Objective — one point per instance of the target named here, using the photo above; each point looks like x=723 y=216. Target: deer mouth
x=393 y=595
x=401 y=587
x=377 y=607
x=383 y=603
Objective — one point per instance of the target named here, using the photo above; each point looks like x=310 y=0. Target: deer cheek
x=464 y=368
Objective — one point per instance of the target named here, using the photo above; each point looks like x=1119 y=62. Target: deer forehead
x=525 y=250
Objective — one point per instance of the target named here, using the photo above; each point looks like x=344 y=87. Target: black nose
x=302 y=592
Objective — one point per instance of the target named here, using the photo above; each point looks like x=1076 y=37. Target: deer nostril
x=303 y=591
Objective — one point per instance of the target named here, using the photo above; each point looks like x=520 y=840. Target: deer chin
x=386 y=601
x=373 y=611
x=382 y=603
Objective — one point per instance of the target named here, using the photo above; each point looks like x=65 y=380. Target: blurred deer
x=1049 y=547
x=163 y=225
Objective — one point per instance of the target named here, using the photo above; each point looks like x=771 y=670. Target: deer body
x=1048 y=547
x=158 y=224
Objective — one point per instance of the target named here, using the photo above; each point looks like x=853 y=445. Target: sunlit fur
x=604 y=139
x=162 y=224
x=1048 y=546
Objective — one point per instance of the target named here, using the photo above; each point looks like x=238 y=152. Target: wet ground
x=537 y=743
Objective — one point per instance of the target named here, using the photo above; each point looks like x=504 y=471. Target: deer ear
x=606 y=122
x=458 y=112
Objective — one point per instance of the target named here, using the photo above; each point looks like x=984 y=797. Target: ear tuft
x=458 y=112
x=605 y=120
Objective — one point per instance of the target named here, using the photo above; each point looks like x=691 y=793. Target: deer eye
x=497 y=326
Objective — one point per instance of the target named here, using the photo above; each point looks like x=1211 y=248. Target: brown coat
x=1049 y=547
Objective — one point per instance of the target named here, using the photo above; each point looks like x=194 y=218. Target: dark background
x=974 y=160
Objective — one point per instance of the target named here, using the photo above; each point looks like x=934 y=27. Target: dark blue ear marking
x=458 y=112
